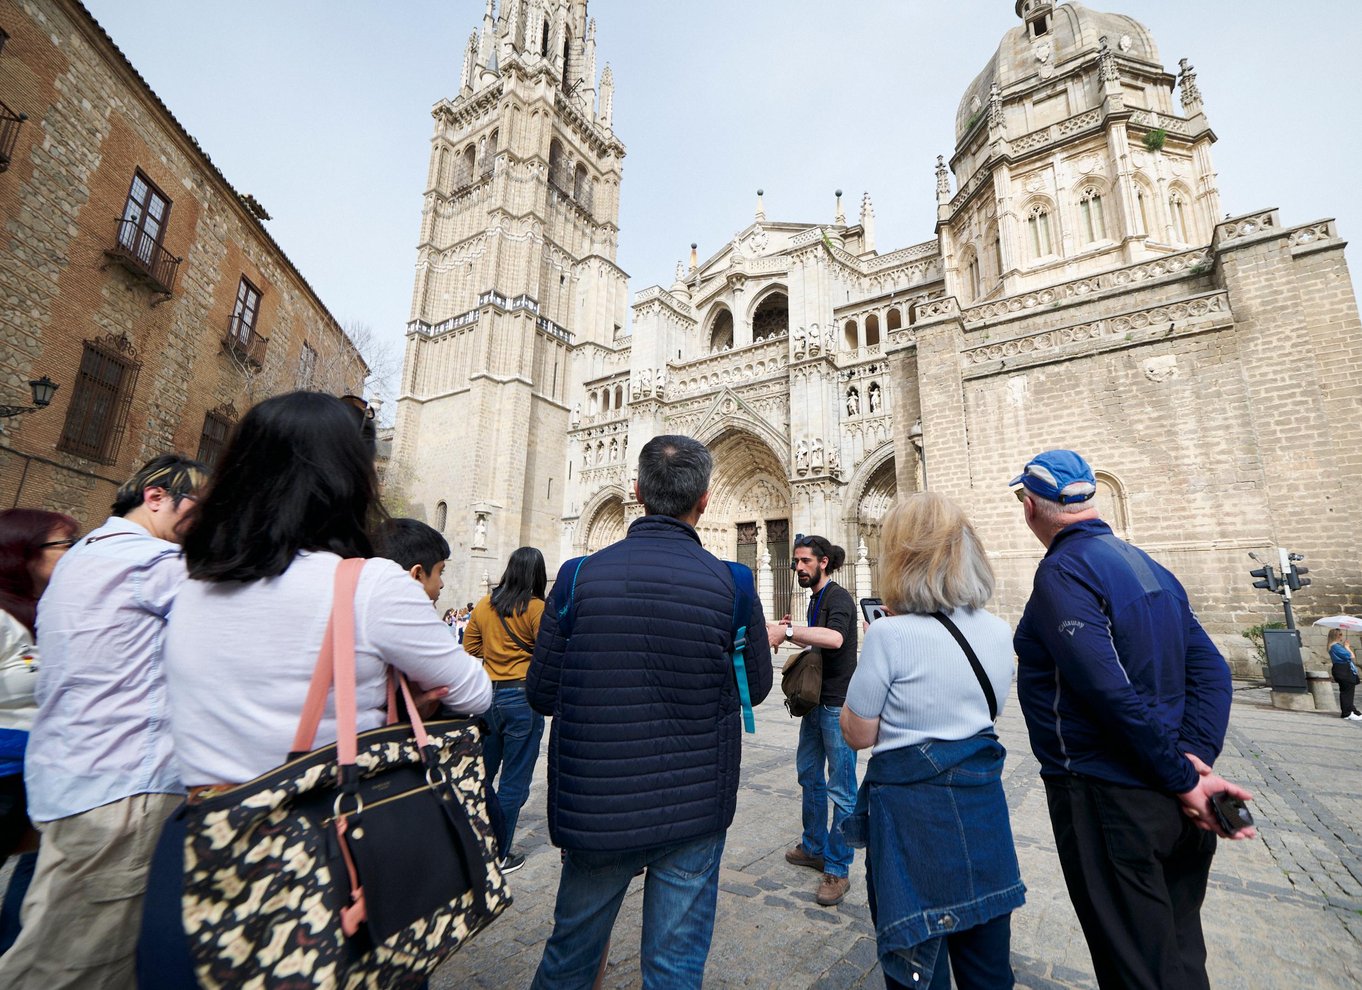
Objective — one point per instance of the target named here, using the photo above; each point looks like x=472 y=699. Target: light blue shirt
x=916 y=680
x=101 y=733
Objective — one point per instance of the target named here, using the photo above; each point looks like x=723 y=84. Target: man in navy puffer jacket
x=634 y=663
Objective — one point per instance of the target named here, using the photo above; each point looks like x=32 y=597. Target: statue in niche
x=834 y=462
x=480 y=532
x=832 y=339
x=853 y=402
x=875 y=397
x=586 y=456
x=799 y=340
x=817 y=457
x=646 y=380
x=614 y=451
x=661 y=380
x=802 y=455
x=576 y=413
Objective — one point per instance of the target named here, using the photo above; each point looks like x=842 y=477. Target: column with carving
x=766 y=585
x=863 y=588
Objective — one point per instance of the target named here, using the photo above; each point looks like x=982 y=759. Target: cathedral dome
x=1051 y=36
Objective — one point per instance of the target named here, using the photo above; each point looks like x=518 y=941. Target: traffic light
x=1295 y=579
x=1267 y=578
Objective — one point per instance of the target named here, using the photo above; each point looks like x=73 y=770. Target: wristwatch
x=789 y=634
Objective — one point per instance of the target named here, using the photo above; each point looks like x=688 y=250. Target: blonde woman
x=941 y=869
x=1345 y=673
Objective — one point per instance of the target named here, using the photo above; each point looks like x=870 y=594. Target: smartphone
x=1230 y=812
x=872 y=609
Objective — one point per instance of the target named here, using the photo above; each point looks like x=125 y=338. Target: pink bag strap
x=335 y=665
x=418 y=728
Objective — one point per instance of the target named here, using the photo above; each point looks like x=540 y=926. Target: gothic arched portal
x=606 y=525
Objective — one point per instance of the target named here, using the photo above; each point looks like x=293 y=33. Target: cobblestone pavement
x=1284 y=910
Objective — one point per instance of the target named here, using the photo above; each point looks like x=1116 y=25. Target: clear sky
x=321 y=109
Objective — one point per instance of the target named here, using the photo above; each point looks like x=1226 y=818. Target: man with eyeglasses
x=832 y=628
x=1126 y=701
x=98 y=767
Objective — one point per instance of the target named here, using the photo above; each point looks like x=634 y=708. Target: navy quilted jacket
x=647 y=736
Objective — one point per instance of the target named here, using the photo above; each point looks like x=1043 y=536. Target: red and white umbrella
x=1349 y=622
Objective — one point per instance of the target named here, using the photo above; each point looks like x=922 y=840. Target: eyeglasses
x=57 y=543
x=1020 y=492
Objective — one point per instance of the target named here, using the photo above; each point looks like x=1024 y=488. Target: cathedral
x=1082 y=289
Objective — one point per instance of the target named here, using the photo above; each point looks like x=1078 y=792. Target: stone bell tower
x=516 y=284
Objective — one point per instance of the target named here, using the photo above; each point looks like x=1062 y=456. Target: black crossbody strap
x=514 y=638
x=984 y=682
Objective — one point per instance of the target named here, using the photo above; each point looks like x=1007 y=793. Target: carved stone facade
x=1081 y=291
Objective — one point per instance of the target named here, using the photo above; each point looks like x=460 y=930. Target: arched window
x=1090 y=206
x=593 y=404
x=997 y=245
x=1038 y=229
x=580 y=184
x=470 y=161
x=1144 y=202
x=556 y=163
x=849 y=335
x=872 y=330
x=441 y=516
x=1177 y=212
x=894 y=321
x=973 y=285
x=605 y=400
x=721 y=331
x=567 y=49
x=442 y=170
x=619 y=396
x=544 y=40
x=1113 y=504
x=772 y=317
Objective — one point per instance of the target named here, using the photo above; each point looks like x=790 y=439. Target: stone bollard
x=1322 y=687
x=1293 y=701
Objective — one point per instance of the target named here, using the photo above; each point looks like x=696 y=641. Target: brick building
x=132 y=274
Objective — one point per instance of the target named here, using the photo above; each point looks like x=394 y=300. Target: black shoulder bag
x=514 y=638
x=984 y=682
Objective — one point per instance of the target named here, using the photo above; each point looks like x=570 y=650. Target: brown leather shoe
x=832 y=890
x=799 y=856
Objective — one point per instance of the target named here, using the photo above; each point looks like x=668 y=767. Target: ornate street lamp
x=43 y=390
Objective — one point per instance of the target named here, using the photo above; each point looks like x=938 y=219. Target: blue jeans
x=511 y=746
x=820 y=743
x=679 y=893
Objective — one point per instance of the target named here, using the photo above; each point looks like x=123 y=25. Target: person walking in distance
x=1126 y=701
x=634 y=661
x=99 y=769
x=501 y=632
x=832 y=628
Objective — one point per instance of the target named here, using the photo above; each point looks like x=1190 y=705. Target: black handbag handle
x=514 y=638
x=984 y=682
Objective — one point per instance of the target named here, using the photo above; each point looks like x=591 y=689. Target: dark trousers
x=1346 y=693
x=980 y=958
x=1136 y=870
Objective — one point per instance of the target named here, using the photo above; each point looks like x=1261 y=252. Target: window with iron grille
x=100 y=399
x=307 y=366
x=144 y=219
x=217 y=426
x=245 y=311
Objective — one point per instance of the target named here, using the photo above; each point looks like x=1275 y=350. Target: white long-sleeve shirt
x=238 y=659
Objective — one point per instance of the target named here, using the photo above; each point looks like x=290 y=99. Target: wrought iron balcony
x=243 y=343
x=142 y=256
x=10 y=122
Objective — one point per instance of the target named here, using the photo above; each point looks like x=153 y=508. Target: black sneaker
x=512 y=862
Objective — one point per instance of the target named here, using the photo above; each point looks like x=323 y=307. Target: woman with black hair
x=295 y=494
x=502 y=631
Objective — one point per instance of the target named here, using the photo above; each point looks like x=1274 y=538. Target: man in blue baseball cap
x=1126 y=701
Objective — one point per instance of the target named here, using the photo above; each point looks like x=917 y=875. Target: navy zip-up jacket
x=1115 y=675
x=646 y=740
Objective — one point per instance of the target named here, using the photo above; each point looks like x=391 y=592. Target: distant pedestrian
x=1127 y=701
x=31 y=543
x=99 y=768
x=928 y=711
x=645 y=750
x=826 y=765
x=1344 y=664
x=501 y=632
